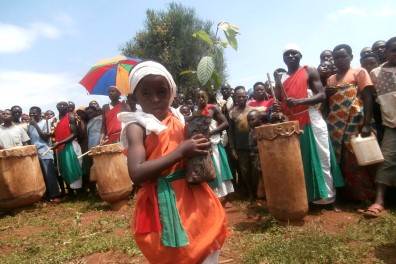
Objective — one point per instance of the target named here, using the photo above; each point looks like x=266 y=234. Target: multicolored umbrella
x=108 y=72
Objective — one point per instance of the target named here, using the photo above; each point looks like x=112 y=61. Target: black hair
x=35 y=108
x=343 y=46
x=15 y=106
x=325 y=51
x=91 y=107
x=257 y=84
x=254 y=111
x=389 y=42
x=240 y=87
x=378 y=41
x=369 y=55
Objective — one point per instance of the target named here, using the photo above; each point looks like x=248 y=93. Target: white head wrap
x=145 y=68
x=292 y=46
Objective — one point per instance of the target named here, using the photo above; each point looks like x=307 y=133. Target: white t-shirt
x=13 y=136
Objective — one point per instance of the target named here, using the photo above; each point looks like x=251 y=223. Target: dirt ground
x=240 y=218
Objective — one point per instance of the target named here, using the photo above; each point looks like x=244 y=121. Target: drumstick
x=89 y=151
x=45 y=152
x=281 y=85
x=270 y=85
x=86 y=153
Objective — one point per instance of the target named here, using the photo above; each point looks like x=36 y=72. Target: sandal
x=56 y=200
x=374 y=210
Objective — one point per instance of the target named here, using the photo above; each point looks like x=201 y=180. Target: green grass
x=366 y=241
x=54 y=234
x=69 y=231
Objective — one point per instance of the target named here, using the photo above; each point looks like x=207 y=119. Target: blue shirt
x=41 y=144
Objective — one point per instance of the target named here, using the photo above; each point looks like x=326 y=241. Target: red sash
x=62 y=131
x=113 y=126
x=296 y=87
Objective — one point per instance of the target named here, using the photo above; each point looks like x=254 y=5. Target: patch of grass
x=67 y=232
x=352 y=244
x=54 y=234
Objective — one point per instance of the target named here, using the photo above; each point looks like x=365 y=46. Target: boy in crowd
x=239 y=140
x=12 y=135
x=39 y=132
x=254 y=120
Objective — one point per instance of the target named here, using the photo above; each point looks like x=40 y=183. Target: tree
x=168 y=39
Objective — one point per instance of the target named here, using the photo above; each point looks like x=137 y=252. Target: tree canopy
x=167 y=37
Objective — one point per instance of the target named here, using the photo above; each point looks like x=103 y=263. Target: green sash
x=173 y=233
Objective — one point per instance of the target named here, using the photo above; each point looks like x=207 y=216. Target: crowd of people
x=331 y=102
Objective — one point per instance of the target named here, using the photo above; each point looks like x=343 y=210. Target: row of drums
x=22 y=182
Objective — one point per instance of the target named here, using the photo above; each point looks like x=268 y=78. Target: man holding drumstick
x=39 y=132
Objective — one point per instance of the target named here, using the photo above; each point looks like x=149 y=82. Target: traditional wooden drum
x=199 y=168
x=111 y=172
x=93 y=174
x=21 y=179
x=283 y=173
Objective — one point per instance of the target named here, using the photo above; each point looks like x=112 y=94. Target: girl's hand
x=197 y=145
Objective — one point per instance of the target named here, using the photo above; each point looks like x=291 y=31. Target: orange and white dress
x=175 y=222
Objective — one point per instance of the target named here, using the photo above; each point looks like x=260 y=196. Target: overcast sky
x=47 y=46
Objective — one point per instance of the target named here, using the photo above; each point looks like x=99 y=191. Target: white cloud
x=348 y=11
x=65 y=19
x=385 y=12
x=68 y=23
x=45 y=30
x=44 y=90
x=354 y=12
x=15 y=39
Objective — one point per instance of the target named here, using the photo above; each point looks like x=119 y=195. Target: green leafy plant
x=206 y=70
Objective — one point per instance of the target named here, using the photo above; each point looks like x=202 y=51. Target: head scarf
x=292 y=46
x=115 y=87
x=145 y=68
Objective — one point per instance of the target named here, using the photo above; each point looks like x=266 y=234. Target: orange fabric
x=200 y=210
x=113 y=126
x=354 y=76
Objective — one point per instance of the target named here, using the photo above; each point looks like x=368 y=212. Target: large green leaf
x=216 y=78
x=203 y=36
x=230 y=32
x=205 y=69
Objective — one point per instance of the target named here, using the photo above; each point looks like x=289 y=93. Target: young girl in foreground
x=173 y=222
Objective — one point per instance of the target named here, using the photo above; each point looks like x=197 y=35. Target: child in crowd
x=174 y=222
x=254 y=120
x=185 y=110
